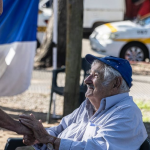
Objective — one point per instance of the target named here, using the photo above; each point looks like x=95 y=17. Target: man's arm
x=124 y=126
x=10 y=124
x=45 y=136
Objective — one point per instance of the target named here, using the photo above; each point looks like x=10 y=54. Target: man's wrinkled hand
x=22 y=129
x=36 y=126
x=29 y=140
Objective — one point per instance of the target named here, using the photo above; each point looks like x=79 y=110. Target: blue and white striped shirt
x=117 y=125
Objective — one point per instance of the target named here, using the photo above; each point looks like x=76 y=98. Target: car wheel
x=134 y=52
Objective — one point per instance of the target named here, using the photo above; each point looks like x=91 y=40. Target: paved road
x=41 y=81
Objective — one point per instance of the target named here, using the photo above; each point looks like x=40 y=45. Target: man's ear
x=117 y=82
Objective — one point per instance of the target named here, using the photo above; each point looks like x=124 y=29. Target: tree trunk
x=73 y=57
x=45 y=54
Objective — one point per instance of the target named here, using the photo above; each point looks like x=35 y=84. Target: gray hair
x=109 y=74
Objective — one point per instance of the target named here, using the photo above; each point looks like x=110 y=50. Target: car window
x=147 y=21
x=46 y=3
x=143 y=22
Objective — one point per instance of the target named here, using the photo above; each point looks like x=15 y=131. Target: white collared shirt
x=117 y=125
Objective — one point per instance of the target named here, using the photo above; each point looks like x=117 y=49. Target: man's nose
x=88 y=79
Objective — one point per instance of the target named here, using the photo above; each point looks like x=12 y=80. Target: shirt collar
x=105 y=103
x=112 y=100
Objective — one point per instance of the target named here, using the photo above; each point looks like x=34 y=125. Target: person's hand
x=22 y=129
x=29 y=140
x=36 y=126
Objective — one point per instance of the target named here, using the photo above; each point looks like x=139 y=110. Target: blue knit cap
x=119 y=64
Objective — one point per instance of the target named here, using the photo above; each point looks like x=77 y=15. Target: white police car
x=125 y=39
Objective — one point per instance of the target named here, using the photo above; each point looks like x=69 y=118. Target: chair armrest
x=13 y=143
x=145 y=145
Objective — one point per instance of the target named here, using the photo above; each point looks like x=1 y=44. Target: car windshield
x=46 y=5
x=143 y=22
x=146 y=21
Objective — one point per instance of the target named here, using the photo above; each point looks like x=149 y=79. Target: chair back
x=145 y=145
x=55 y=88
x=85 y=67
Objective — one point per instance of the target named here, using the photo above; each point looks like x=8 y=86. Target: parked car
x=45 y=11
x=125 y=39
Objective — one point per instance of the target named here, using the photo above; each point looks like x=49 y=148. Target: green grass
x=143 y=105
x=146 y=119
x=145 y=109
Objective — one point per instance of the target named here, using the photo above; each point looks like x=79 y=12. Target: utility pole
x=73 y=54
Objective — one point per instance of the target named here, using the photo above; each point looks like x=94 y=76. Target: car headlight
x=106 y=36
x=94 y=34
x=113 y=36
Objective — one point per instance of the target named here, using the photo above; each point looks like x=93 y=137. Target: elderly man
x=107 y=120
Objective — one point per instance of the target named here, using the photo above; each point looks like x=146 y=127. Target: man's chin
x=88 y=94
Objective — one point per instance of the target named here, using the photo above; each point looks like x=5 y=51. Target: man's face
x=95 y=89
x=1 y=6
